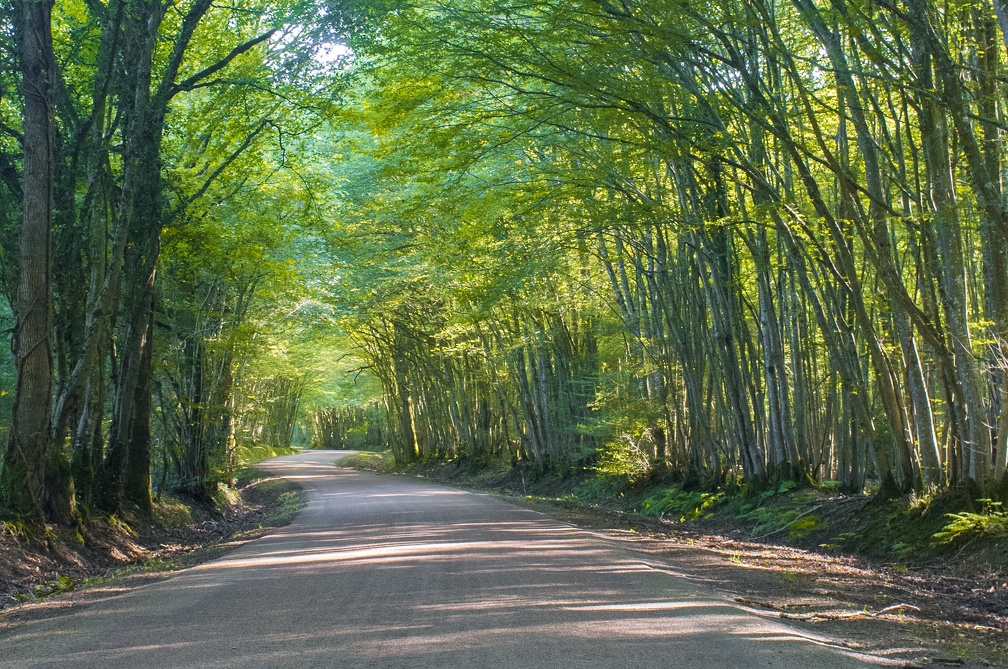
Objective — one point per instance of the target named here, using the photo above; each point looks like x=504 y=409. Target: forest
x=723 y=244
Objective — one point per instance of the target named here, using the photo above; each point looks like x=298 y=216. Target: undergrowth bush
x=992 y=521
x=624 y=457
x=791 y=516
x=249 y=454
x=685 y=504
x=169 y=512
x=598 y=490
x=382 y=463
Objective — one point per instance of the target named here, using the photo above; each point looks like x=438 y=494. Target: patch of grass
x=800 y=527
x=14 y=528
x=43 y=590
x=290 y=501
x=170 y=512
x=793 y=518
x=246 y=455
x=281 y=498
x=920 y=529
x=597 y=490
x=225 y=496
x=155 y=564
x=121 y=525
x=370 y=461
x=159 y=563
x=788 y=577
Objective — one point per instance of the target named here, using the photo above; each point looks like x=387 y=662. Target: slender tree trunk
x=977 y=446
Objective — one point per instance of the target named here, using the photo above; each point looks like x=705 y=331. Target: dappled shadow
x=384 y=572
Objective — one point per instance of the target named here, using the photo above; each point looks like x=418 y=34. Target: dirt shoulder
x=928 y=617
x=919 y=613
x=44 y=575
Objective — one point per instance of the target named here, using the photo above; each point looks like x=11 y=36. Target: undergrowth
x=382 y=463
x=930 y=528
x=682 y=504
x=245 y=455
x=991 y=522
x=170 y=512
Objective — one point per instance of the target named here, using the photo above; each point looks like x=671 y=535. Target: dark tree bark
x=36 y=476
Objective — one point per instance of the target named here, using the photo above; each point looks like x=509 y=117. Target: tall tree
x=35 y=475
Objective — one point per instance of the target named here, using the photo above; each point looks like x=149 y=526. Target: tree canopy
x=729 y=244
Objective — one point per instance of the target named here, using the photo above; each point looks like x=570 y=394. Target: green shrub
x=687 y=505
x=249 y=454
x=992 y=521
x=624 y=457
x=383 y=462
x=169 y=512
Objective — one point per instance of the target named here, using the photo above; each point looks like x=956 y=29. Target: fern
x=992 y=521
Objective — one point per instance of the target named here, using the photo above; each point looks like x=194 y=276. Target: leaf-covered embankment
x=118 y=551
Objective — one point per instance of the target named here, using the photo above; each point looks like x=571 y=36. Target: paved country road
x=386 y=572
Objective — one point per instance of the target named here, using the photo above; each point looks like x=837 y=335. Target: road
x=386 y=572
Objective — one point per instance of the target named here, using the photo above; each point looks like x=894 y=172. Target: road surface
x=385 y=572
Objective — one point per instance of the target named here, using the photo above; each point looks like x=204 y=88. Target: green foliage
x=631 y=446
x=800 y=527
x=687 y=505
x=13 y=528
x=121 y=525
x=52 y=587
x=624 y=458
x=991 y=522
x=783 y=508
x=246 y=454
x=349 y=427
x=605 y=491
x=170 y=512
x=291 y=502
x=382 y=463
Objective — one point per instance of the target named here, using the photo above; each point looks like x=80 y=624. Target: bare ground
x=45 y=573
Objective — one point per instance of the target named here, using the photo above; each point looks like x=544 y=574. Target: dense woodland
x=728 y=245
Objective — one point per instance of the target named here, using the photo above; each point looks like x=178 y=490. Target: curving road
x=385 y=572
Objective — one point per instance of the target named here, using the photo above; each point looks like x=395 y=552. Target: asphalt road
x=385 y=572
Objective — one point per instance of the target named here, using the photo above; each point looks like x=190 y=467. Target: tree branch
x=191 y=82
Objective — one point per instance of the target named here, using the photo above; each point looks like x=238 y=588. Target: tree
x=35 y=474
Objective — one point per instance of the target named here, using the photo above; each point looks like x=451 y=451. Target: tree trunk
x=36 y=476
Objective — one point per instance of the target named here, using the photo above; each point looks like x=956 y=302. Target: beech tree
x=34 y=474
x=122 y=167
x=792 y=208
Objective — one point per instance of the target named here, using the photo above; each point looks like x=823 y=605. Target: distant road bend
x=385 y=572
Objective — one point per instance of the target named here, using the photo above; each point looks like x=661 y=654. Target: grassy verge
x=370 y=461
x=246 y=455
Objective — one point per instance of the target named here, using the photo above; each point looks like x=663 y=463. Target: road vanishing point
x=379 y=571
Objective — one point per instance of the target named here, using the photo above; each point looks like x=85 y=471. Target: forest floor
x=856 y=572
x=111 y=553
